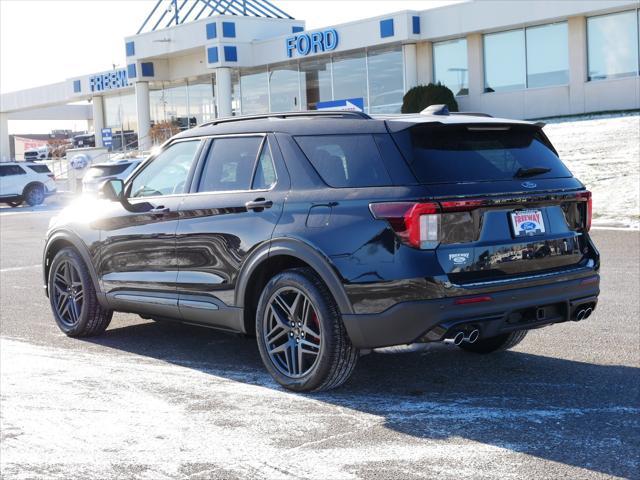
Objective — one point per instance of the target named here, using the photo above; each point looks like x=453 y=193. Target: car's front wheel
x=73 y=297
x=301 y=338
x=34 y=195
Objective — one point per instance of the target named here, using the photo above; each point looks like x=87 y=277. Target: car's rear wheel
x=73 y=297
x=34 y=195
x=301 y=338
x=495 y=344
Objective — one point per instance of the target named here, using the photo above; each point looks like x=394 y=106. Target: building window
x=284 y=88
x=350 y=76
x=120 y=115
x=202 y=99
x=254 y=91
x=450 y=65
x=386 y=80
x=612 y=45
x=504 y=61
x=547 y=55
x=315 y=81
x=170 y=105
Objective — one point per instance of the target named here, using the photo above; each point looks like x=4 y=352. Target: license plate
x=527 y=223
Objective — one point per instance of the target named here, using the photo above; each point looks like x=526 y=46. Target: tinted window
x=230 y=164
x=346 y=160
x=8 y=170
x=265 y=176
x=106 y=170
x=476 y=154
x=167 y=173
x=40 y=168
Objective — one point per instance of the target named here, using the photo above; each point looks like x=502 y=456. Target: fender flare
x=79 y=245
x=303 y=251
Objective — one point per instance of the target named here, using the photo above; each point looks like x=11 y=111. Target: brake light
x=587 y=197
x=461 y=205
x=51 y=176
x=468 y=300
x=416 y=224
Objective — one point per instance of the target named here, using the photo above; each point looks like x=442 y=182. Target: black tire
x=15 y=204
x=495 y=344
x=34 y=195
x=333 y=361
x=77 y=316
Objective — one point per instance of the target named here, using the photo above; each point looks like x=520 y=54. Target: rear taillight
x=51 y=176
x=416 y=224
x=587 y=197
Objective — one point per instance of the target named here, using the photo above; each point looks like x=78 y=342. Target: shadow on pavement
x=564 y=411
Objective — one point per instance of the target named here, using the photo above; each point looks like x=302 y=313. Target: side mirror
x=112 y=190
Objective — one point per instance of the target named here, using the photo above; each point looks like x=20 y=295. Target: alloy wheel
x=292 y=332
x=68 y=293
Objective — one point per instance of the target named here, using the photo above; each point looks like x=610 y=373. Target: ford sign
x=529 y=185
x=316 y=42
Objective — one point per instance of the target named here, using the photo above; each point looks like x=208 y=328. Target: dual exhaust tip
x=583 y=313
x=460 y=337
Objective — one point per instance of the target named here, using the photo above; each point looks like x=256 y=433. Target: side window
x=167 y=173
x=4 y=171
x=346 y=160
x=265 y=176
x=10 y=170
x=229 y=164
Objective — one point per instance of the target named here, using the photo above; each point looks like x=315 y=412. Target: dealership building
x=196 y=60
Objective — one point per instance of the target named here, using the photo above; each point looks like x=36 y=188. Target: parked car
x=37 y=153
x=25 y=182
x=328 y=234
x=98 y=173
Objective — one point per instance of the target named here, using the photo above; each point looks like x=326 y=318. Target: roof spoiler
x=442 y=109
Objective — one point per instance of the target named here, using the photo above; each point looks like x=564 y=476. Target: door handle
x=161 y=209
x=258 y=204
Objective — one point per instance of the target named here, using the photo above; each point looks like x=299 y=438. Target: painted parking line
x=17 y=269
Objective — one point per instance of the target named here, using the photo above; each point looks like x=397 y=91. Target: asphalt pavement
x=156 y=400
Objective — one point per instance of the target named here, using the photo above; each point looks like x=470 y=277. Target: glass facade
x=284 y=88
x=315 y=81
x=527 y=58
x=450 y=65
x=350 y=76
x=504 y=61
x=254 y=91
x=376 y=76
x=183 y=105
x=386 y=83
x=612 y=45
x=120 y=112
x=547 y=55
x=202 y=100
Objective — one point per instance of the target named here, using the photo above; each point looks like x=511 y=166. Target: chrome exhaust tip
x=587 y=312
x=473 y=336
x=581 y=314
x=457 y=339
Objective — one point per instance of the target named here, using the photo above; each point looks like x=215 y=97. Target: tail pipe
x=581 y=312
x=468 y=336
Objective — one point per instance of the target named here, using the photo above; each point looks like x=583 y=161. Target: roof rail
x=282 y=115
x=439 y=109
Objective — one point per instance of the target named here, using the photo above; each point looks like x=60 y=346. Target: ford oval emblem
x=528 y=226
x=529 y=185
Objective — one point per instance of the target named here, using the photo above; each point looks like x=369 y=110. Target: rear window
x=40 y=168
x=345 y=160
x=466 y=153
x=107 y=170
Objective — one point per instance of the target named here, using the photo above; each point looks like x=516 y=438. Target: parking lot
x=153 y=400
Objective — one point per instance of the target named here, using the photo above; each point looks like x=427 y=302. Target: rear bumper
x=431 y=320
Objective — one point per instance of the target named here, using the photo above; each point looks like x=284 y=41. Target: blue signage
x=109 y=80
x=107 y=137
x=348 y=104
x=316 y=42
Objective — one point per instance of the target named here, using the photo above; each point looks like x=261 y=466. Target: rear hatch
x=502 y=204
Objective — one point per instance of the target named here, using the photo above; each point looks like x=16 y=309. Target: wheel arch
x=57 y=242
x=279 y=255
x=33 y=183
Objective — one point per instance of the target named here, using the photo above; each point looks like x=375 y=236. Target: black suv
x=328 y=234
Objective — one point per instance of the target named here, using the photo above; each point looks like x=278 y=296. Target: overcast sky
x=47 y=41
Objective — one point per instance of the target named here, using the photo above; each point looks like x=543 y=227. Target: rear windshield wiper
x=531 y=172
